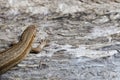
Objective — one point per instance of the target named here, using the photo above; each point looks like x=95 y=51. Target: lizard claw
x=44 y=42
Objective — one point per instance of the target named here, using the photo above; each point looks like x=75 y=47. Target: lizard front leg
x=42 y=44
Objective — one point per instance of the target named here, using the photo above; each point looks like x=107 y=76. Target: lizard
x=16 y=53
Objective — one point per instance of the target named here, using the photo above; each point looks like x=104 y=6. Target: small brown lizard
x=15 y=54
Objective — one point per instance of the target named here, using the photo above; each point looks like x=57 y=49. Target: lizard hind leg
x=42 y=44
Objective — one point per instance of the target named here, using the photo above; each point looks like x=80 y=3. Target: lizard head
x=30 y=31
